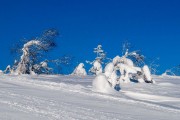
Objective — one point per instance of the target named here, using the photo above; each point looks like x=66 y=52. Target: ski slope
x=56 y=97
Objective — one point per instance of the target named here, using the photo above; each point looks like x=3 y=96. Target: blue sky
x=152 y=26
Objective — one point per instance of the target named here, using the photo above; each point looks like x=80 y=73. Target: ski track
x=53 y=109
x=28 y=104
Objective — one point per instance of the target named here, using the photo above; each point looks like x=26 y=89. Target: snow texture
x=56 y=97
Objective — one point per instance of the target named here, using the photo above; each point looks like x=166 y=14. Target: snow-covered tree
x=32 y=53
x=25 y=63
x=8 y=69
x=99 y=60
x=96 y=68
x=41 y=68
x=110 y=73
x=79 y=70
x=101 y=84
x=100 y=54
x=174 y=71
x=129 y=70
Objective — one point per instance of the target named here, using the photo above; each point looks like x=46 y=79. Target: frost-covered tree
x=100 y=54
x=174 y=71
x=79 y=70
x=129 y=69
x=8 y=69
x=110 y=73
x=63 y=65
x=41 y=68
x=33 y=52
x=25 y=65
x=96 y=68
x=99 y=60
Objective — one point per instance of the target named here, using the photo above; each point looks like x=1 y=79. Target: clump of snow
x=110 y=73
x=96 y=68
x=116 y=60
x=109 y=69
x=79 y=70
x=101 y=84
x=1 y=72
x=113 y=79
x=147 y=74
x=127 y=61
x=125 y=70
x=44 y=64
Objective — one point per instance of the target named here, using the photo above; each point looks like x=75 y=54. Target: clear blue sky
x=152 y=26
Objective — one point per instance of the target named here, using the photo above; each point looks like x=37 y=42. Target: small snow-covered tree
x=8 y=69
x=101 y=55
x=96 y=68
x=110 y=73
x=174 y=71
x=63 y=65
x=79 y=70
x=99 y=60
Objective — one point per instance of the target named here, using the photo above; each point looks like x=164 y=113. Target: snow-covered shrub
x=125 y=70
x=128 y=69
x=96 y=68
x=101 y=84
x=175 y=71
x=8 y=69
x=110 y=73
x=79 y=70
x=41 y=68
x=123 y=60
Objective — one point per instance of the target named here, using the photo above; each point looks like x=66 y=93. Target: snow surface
x=56 y=97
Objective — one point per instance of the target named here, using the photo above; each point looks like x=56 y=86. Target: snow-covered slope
x=69 y=97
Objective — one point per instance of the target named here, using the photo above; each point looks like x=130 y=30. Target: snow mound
x=79 y=70
x=101 y=84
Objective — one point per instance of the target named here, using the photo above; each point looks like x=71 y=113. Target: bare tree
x=174 y=71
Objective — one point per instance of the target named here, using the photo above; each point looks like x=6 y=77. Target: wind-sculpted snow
x=56 y=97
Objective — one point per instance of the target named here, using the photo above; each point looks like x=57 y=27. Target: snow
x=96 y=68
x=111 y=74
x=79 y=70
x=147 y=73
x=57 y=97
x=109 y=68
x=100 y=84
